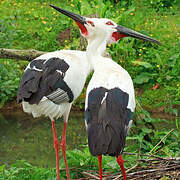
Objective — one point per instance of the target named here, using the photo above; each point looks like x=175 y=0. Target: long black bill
x=72 y=15
x=126 y=31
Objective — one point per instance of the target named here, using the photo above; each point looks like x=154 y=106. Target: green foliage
x=34 y=24
x=84 y=160
x=160 y=5
x=9 y=80
x=152 y=136
x=24 y=171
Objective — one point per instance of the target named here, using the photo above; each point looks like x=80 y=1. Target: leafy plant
x=24 y=171
x=9 y=80
x=159 y=5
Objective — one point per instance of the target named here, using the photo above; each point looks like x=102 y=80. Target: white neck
x=96 y=48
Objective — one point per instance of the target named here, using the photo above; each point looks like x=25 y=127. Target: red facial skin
x=116 y=36
x=110 y=23
x=82 y=28
x=90 y=22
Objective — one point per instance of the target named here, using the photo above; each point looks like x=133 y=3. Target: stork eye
x=110 y=23
x=91 y=23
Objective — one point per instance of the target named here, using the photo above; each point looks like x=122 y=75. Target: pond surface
x=31 y=139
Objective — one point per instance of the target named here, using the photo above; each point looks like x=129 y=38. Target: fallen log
x=27 y=55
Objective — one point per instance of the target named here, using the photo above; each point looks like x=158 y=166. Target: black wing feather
x=42 y=79
x=107 y=121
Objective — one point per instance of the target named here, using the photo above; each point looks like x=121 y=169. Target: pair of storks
x=54 y=80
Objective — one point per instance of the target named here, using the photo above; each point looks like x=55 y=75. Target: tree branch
x=19 y=54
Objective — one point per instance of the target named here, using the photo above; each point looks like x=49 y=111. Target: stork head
x=92 y=28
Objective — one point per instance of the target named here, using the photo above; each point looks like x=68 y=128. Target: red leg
x=63 y=146
x=120 y=161
x=56 y=147
x=100 y=167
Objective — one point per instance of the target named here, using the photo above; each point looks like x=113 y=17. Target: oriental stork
x=110 y=99
x=49 y=86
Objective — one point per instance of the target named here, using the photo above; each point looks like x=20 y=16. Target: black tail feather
x=107 y=121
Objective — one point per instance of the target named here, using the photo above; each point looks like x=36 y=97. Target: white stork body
x=75 y=77
x=109 y=75
x=49 y=86
x=110 y=99
x=110 y=103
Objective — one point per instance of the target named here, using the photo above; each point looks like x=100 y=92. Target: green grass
x=34 y=25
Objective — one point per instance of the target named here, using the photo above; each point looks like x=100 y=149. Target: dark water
x=23 y=137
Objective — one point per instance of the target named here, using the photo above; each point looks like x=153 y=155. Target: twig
x=161 y=141
x=147 y=160
x=128 y=170
x=165 y=159
x=90 y=175
x=148 y=172
x=154 y=170
x=172 y=166
x=148 y=155
x=134 y=167
x=166 y=146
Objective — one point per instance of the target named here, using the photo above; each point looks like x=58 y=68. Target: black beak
x=128 y=32
x=74 y=16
